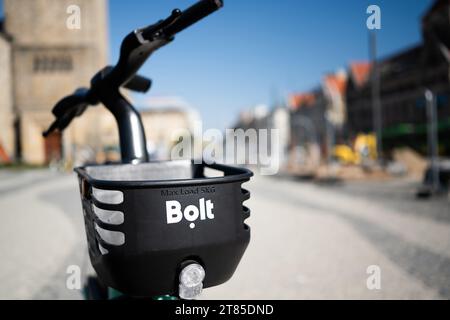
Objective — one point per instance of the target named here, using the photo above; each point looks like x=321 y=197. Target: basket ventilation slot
x=109 y=217
x=114 y=238
x=103 y=251
x=108 y=196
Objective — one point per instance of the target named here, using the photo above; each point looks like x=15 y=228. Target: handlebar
x=68 y=108
x=136 y=48
x=141 y=43
x=193 y=14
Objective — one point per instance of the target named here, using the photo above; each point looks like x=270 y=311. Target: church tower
x=56 y=47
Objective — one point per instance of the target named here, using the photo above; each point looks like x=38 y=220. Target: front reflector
x=191 y=281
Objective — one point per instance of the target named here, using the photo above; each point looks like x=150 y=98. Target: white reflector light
x=191 y=281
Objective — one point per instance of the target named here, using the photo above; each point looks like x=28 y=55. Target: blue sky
x=255 y=51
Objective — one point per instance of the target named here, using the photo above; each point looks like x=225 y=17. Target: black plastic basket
x=131 y=212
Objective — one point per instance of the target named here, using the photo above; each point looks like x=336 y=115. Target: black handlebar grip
x=193 y=14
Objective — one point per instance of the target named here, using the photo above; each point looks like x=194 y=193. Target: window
x=52 y=63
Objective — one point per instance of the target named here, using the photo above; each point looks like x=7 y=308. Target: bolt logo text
x=191 y=213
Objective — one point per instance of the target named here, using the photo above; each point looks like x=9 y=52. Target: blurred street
x=309 y=241
x=41 y=233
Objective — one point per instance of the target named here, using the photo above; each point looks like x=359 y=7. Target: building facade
x=48 y=60
x=6 y=110
x=318 y=120
x=404 y=77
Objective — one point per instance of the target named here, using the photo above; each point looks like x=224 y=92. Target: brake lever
x=138 y=84
x=52 y=128
x=68 y=108
x=63 y=121
x=80 y=97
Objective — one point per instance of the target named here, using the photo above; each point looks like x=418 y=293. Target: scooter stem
x=131 y=131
